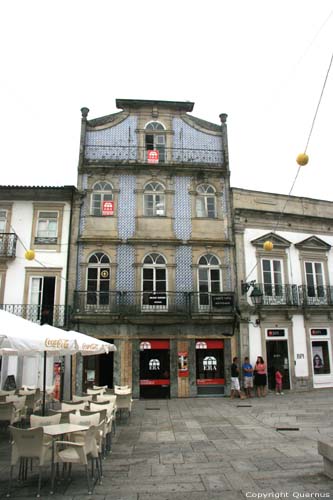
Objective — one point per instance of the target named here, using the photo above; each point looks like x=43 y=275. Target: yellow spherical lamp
x=268 y=245
x=30 y=255
x=302 y=159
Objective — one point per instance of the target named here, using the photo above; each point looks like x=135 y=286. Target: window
x=154 y=282
x=321 y=357
x=3 y=221
x=272 y=277
x=209 y=279
x=206 y=201
x=47 y=228
x=155 y=139
x=153 y=200
x=98 y=280
x=314 y=280
x=102 y=191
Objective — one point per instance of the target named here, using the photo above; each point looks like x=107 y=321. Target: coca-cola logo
x=89 y=347
x=56 y=343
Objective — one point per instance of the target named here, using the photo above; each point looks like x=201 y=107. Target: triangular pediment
x=277 y=241
x=313 y=243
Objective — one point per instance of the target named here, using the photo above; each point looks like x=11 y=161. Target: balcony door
x=42 y=294
x=209 y=280
x=315 y=284
x=155 y=140
x=98 y=281
x=154 y=283
x=272 y=279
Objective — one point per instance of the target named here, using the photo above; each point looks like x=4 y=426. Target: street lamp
x=256 y=296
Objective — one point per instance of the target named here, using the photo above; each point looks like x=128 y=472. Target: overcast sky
x=263 y=62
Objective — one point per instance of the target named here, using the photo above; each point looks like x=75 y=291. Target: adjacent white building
x=291 y=326
x=36 y=219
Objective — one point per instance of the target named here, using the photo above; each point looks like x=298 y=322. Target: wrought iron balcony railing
x=127 y=303
x=8 y=245
x=142 y=155
x=279 y=294
x=51 y=315
x=316 y=295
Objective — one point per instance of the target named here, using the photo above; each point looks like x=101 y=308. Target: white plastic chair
x=99 y=387
x=9 y=414
x=94 y=392
x=73 y=406
x=29 y=443
x=19 y=403
x=71 y=452
x=82 y=398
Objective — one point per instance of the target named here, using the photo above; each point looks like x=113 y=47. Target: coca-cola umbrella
x=90 y=346
x=19 y=336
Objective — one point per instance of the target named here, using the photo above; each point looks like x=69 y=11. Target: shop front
x=277 y=355
x=210 y=370
x=154 y=369
x=321 y=356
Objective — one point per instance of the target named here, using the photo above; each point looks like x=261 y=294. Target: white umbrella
x=90 y=346
x=19 y=336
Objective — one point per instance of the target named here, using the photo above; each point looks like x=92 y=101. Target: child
x=278 y=382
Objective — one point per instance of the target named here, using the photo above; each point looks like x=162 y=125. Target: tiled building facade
x=152 y=265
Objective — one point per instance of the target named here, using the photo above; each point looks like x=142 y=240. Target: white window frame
x=98 y=265
x=105 y=195
x=319 y=289
x=51 y=236
x=154 y=266
x=156 y=190
x=209 y=267
x=205 y=192
x=274 y=284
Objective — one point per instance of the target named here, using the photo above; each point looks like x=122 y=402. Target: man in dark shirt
x=235 y=388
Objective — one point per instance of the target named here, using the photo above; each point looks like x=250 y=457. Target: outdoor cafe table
x=59 y=430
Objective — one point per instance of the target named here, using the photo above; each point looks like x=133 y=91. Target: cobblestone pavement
x=207 y=448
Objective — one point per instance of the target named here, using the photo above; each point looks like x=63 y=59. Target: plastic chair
x=28 y=443
x=111 y=398
x=38 y=421
x=82 y=398
x=19 y=403
x=73 y=406
x=124 y=402
x=7 y=393
x=94 y=392
x=71 y=452
x=111 y=419
x=9 y=414
x=63 y=414
x=107 y=425
x=98 y=387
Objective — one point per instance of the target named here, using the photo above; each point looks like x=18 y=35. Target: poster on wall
x=153 y=156
x=107 y=208
x=318 y=358
x=182 y=364
x=56 y=380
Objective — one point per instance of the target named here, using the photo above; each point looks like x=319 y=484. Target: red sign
x=210 y=381
x=107 y=207
x=209 y=344
x=155 y=344
x=159 y=381
x=152 y=156
x=56 y=380
x=182 y=364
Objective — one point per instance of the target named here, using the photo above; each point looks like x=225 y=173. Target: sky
x=263 y=62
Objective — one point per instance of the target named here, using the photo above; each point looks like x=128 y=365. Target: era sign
x=107 y=208
x=152 y=156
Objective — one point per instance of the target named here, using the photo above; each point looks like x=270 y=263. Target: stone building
x=291 y=323
x=152 y=265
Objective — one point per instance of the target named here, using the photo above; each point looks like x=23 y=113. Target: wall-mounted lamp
x=256 y=295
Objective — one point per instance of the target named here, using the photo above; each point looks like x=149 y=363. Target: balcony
x=135 y=154
x=150 y=303
x=51 y=315
x=294 y=295
x=8 y=245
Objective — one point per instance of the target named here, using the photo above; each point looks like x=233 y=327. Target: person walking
x=235 y=388
x=247 y=377
x=260 y=376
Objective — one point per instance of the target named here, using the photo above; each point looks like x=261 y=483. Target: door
x=277 y=358
x=155 y=369
x=42 y=297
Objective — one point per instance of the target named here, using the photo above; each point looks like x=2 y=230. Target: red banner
x=210 y=344
x=107 y=208
x=160 y=381
x=155 y=344
x=152 y=156
x=210 y=381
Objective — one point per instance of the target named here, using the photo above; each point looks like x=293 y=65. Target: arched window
x=155 y=139
x=154 y=282
x=153 y=199
x=209 y=363
x=98 y=280
x=102 y=191
x=154 y=364
x=209 y=279
x=206 y=201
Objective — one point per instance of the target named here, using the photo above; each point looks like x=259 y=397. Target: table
x=59 y=430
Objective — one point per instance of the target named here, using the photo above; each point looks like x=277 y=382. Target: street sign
x=222 y=300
